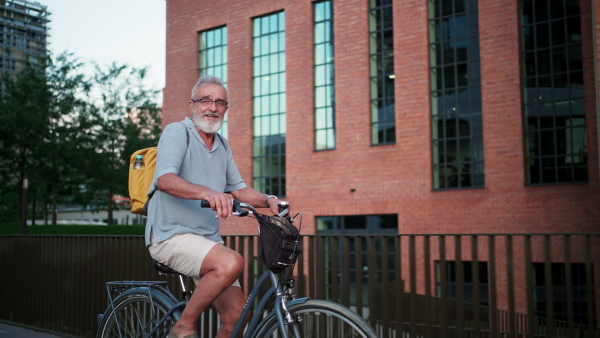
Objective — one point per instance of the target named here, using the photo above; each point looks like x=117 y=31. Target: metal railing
x=486 y=285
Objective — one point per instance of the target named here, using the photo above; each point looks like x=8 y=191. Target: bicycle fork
x=283 y=315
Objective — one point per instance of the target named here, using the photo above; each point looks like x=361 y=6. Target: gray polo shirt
x=215 y=169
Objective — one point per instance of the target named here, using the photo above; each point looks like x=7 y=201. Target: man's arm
x=174 y=185
x=256 y=199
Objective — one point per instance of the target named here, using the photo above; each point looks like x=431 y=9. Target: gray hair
x=209 y=79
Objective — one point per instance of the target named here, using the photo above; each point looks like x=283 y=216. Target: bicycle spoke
x=318 y=318
x=137 y=316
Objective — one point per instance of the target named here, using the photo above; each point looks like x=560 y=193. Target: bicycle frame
x=275 y=291
x=280 y=295
x=283 y=316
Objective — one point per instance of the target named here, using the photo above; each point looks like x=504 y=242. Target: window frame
x=208 y=65
x=553 y=98
x=269 y=104
x=324 y=85
x=457 y=153
x=381 y=78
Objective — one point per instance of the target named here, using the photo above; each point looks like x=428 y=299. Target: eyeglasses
x=208 y=102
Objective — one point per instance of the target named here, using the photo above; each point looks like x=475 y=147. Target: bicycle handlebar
x=242 y=209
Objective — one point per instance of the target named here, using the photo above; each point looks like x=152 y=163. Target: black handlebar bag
x=279 y=242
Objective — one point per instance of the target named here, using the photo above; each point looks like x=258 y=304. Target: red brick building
x=358 y=177
x=447 y=117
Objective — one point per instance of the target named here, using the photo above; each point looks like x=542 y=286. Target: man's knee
x=227 y=263
x=235 y=263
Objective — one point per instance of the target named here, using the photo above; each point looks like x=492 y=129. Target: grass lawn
x=74 y=230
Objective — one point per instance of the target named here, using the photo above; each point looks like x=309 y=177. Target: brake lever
x=237 y=209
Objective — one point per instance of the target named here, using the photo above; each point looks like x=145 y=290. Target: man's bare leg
x=221 y=267
x=229 y=305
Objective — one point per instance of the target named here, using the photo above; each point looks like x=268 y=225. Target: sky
x=128 y=32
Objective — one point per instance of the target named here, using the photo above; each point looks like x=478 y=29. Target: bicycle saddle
x=163 y=268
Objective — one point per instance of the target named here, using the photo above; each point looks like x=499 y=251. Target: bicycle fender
x=155 y=294
x=272 y=313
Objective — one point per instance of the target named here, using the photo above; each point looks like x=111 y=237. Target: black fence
x=519 y=285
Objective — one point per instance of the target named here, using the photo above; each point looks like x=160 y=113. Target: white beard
x=207 y=127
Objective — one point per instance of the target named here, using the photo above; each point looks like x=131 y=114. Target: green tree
x=71 y=135
x=128 y=119
x=24 y=122
x=69 y=142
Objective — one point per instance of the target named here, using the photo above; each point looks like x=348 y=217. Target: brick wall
x=390 y=178
x=357 y=178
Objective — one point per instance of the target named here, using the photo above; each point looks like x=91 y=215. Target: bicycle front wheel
x=320 y=318
x=136 y=313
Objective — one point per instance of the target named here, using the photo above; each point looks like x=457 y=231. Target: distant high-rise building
x=23 y=35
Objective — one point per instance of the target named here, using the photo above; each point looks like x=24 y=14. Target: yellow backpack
x=141 y=179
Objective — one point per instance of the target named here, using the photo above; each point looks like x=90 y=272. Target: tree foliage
x=123 y=97
x=71 y=135
x=23 y=129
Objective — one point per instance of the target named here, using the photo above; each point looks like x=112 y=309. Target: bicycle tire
x=320 y=318
x=138 y=312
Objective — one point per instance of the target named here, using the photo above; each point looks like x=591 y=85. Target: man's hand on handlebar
x=221 y=203
x=241 y=209
x=273 y=205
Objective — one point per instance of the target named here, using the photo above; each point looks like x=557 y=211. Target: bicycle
x=149 y=309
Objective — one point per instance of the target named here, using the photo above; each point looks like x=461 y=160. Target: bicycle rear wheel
x=138 y=312
x=320 y=318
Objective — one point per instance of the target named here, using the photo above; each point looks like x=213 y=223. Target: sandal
x=173 y=335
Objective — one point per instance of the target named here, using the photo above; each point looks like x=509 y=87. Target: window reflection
x=552 y=80
x=213 y=59
x=457 y=133
x=383 y=121
x=324 y=76
x=269 y=101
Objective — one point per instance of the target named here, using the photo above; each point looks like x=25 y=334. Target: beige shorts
x=184 y=253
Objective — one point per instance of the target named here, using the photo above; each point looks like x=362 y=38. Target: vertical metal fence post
x=358 y=275
x=345 y=277
x=334 y=273
x=510 y=281
x=300 y=271
x=589 y=272
x=428 y=304
x=549 y=288
x=569 y=285
x=493 y=287
x=532 y=323
x=321 y=268
x=413 y=286
x=460 y=286
x=476 y=288
x=399 y=286
x=443 y=287
x=374 y=311
x=312 y=266
x=384 y=287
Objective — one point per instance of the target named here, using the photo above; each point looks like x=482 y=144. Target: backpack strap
x=221 y=139
x=187 y=139
x=187 y=136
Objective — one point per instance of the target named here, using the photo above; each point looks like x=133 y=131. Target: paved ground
x=13 y=331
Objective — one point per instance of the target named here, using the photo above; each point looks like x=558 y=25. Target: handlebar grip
x=204 y=204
